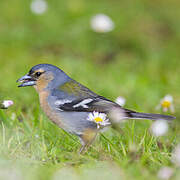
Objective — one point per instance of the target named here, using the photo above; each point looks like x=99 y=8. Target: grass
x=139 y=60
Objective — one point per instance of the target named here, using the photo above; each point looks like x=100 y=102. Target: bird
x=74 y=107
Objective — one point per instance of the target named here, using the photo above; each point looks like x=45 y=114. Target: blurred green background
x=139 y=59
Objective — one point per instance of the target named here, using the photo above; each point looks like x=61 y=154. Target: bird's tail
x=137 y=115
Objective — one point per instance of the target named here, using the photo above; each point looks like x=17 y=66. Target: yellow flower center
x=166 y=104
x=98 y=119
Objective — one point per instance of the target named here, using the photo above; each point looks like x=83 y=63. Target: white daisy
x=99 y=118
x=166 y=103
x=102 y=23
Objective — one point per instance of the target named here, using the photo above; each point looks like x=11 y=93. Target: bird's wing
x=90 y=104
x=72 y=96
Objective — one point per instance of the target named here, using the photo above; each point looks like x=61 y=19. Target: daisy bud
x=120 y=100
x=176 y=156
x=165 y=173
x=5 y=104
x=38 y=6
x=102 y=23
x=159 y=128
x=117 y=115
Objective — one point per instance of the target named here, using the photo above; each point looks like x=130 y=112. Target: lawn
x=138 y=60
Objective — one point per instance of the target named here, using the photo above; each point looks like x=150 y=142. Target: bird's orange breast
x=51 y=114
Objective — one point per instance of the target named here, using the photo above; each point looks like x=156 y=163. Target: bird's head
x=43 y=76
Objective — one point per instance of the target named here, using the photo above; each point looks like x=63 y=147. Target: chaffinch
x=74 y=107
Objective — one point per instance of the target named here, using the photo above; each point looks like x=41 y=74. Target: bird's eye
x=37 y=74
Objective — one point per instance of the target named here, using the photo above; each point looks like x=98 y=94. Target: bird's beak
x=26 y=80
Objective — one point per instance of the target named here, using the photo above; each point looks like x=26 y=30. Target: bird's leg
x=82 y=149
x=87 y=139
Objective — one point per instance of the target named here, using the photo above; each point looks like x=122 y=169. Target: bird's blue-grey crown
x=46 y=67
